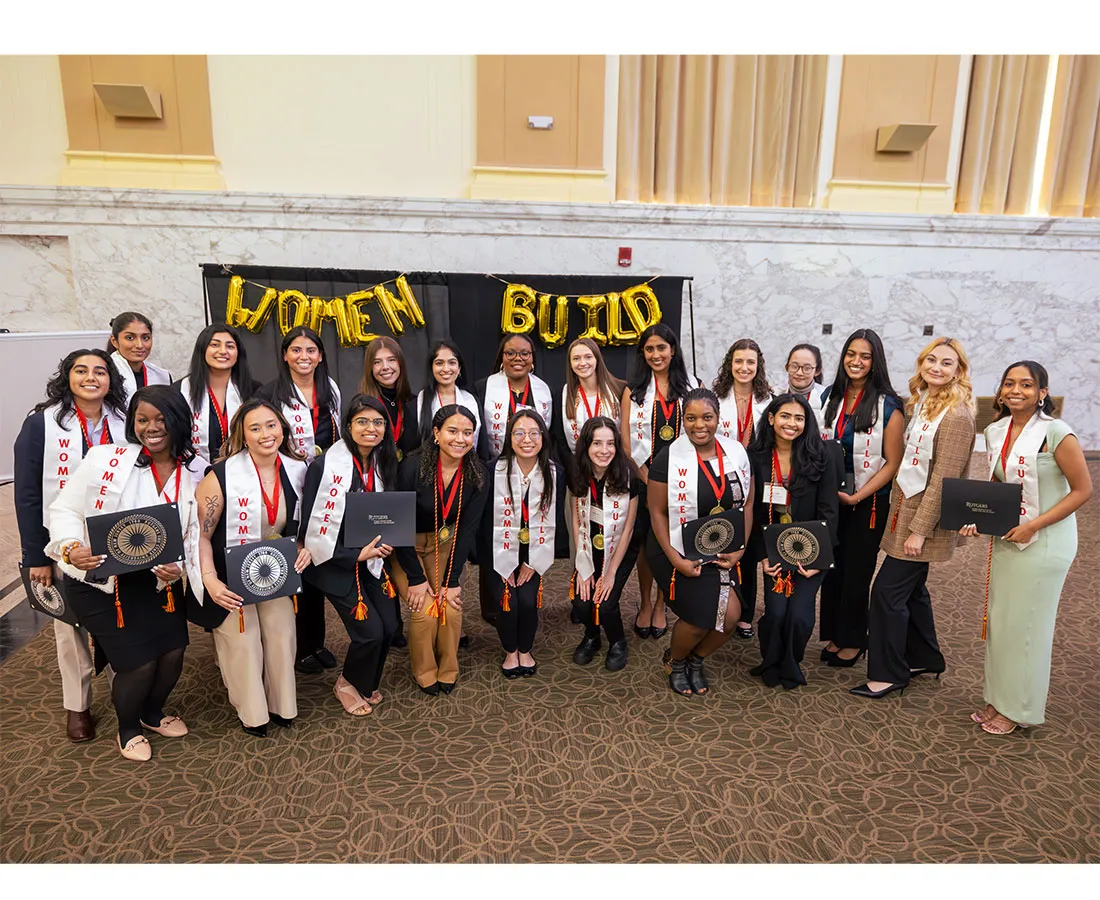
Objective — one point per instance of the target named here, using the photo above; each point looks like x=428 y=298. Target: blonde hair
x=956 y=392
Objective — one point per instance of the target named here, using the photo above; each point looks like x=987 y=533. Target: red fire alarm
x=624 y=257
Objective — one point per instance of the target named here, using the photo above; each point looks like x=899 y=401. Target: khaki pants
x=433 y=647
x=74 y=659
x=257 y=666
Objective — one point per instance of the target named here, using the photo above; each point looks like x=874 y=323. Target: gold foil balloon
x=406 y=304
x=358 y=319
x=300 y=302
x=257 y=320
x=641 y=292
x=592 y=305
x=235 y=313
x=409 y=306
x=553 y=336
x=334 y=309
x=617 y=335
x=517 y=314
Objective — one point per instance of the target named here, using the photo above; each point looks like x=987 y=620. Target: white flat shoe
x=137 y=748
x=170 y=726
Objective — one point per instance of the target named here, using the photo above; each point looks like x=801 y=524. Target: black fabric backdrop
x=464 y=307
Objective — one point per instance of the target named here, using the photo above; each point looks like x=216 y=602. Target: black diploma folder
x=704 y=538
x=388 y=515
x=993 y=506
x=135 y=539
x=259 y=571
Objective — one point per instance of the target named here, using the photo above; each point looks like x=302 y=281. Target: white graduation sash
x=573 y=426
x=63 y=450
x=640 y=421
x=867 y=456
x=299 y=415
x=683 y=481
x=919 y=439
x=462 y=398
x=508 y=516
x=246 y=515
x=498 y=406
x=153 y=375
x=727 y=415
x=614 y=508
x=328 y=507
x=200 y=418
x=1023 y=460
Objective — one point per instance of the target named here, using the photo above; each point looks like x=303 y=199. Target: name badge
x=775 y=494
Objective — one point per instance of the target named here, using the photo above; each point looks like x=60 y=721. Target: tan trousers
x=258 y=666
x=74 y=659
x=433 y=647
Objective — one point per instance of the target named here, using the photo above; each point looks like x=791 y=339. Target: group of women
x=507 y=476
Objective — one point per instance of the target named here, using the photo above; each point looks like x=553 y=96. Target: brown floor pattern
x=582 y=765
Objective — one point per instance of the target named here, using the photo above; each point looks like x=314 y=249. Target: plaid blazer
x=920 y=514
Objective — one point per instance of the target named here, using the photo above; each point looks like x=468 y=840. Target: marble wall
x=1006 y=287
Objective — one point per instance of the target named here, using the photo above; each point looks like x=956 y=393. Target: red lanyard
x=778 y=470
x=523 y=506
x=668 y=410
x=144 y=376
x=1005 y=447
x=105 y=434
x=368 y=479
x=396 y=429
x=588 y=408
x=512 y=396
x=315 y=410
x=455 y=483
x=271 y=505
x=595 y=494
x=719 y=485
x=223 y=415
x=157 y=481
x=844 y=412
x=744 y=426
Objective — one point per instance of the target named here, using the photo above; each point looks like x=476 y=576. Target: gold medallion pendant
x=666 y=433
x=525 y=535
x=400 y=454
x=717 y=509
x=317 y=451
x=274 y=536
x=444 y=534
x=785 y=519
x=597 y=542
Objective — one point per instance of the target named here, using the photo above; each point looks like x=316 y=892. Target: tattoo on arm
x=210 y=519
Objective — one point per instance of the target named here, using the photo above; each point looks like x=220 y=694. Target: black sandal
x=696 y=674
x=678 y=679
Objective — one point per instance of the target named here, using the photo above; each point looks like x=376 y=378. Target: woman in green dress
x=1026 y=446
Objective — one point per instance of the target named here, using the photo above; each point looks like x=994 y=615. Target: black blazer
x=809 y=500
x=29 y=449
x=336 y=577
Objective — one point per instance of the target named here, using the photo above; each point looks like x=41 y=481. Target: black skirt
x=697 y=600
x=148 y=631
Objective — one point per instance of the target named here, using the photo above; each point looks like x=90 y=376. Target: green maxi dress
x=1024 y=589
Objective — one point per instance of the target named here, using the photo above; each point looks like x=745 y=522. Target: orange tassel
x=777 y=587
x=540 y=593
x=672 y=587
x=573 y=586
x=874 y=503
x=894 y=522
x=596 y=615
x=119 y=621
x=294 y=600
x=240 y=618
x=988 y=573
x=738 y=572
x=360 y=610
x=790 y=584
x=170 y=606
x=443 y=613
x=387 y=586
x=504 y=601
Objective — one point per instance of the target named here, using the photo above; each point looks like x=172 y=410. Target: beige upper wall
x=32 y=120
x=377 y=126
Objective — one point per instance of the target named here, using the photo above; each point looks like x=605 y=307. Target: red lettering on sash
x=119 y=451
x=243 y=516
x=323 y=529
x=63 y=442
x=326 y=518
x=108 y=476
x=337 y=479
x=63 y=470
x=681 y=498
x=113 y=463
x=333 y=492
x=63 y=457
x=242 y=501
x=99 y=504
x=330 y=505
x=103 y=491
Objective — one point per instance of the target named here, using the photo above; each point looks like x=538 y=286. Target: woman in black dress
x=796 y=482
x=699 y=473
x=137 y=619
x=353 y=578
x=606 y=488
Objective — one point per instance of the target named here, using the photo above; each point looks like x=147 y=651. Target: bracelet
x=66 y=549
x=206 y=572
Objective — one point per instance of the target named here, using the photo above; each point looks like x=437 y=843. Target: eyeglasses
x=517 y=354
x=526 y=435
x=368 y=423
x=795 y=369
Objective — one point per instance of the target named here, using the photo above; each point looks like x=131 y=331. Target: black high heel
x=827 y=654
x=697 y=675
x=280 y=721
x=678 y=679
x=838 y=662
x=864 y=691
x=255 y=730
x=643 y=633
x=913 y=673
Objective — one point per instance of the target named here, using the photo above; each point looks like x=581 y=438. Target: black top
x=637 y=489
x=658 y=471
x=408 y=439
x=807 y=500
x=472 y=504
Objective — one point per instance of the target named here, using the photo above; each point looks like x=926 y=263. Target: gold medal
x=717 y=509
x=597 y=542
x=444 y=534
x=400 y=454
x=785 y=519
x=317 y=451
x=525 y=535
x=666 y=433
x=274 y=536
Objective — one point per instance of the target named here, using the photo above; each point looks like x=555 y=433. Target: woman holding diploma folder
x=353 y=578
x=1028 y=565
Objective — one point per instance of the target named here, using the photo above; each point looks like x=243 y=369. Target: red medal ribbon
x=592 y=484
x=668 y=410
x=455 y=482
x=316 y=412
x=368 y=479
x=844 y=413
x=144 y=376
x=157 y=481
x=105 y=434
x=778 y=470
x=719 y=492
x=587 y=408
x=223 y=415
x=396 y=429
x=523 y=506
x=744 y=426
x=523 y=401
x=271 y=505
x=1005 y=447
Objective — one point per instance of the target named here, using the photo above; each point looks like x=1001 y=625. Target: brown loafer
x=80 y=726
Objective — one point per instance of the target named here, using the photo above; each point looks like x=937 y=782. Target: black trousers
x=370 y=637
x=309 y=624
x=844 y=594
x=516 y=627
x=785 y=628
x=902 y=631
x=611 y=617
x=750 y=572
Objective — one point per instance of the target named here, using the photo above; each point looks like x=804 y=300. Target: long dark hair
x=1038 y=375
x=817 y=359
x=620 y=470
x=385 y=454
x=498 y=360
x=198 y=374
x=429 y=450
x=284 y=384
x=367 y=384
x=610 y=387
x=121 y=321
x=807 y=450
x=723 y=384
x=508 y=454
x=177 y=421
x=424 y=416
x=877 y=385
x=678 y=383
x=58 y=390
x=236 y=443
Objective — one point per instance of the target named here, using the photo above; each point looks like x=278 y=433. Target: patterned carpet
x=582 y=765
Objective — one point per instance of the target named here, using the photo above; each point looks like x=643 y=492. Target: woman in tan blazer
x=938 y=442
